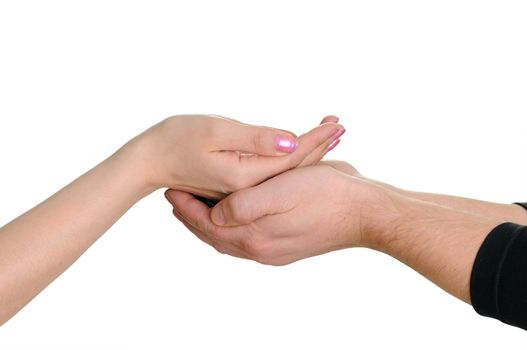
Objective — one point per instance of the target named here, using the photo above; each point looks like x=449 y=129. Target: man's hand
x=342 y=166
x=298 y=214
x=314 y=210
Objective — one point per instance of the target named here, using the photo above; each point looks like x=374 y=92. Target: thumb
x=248 y=205
x=259 y=140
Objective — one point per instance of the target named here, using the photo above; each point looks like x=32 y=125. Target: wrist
x=382 y=232
x=133 y=161
x=377 y=209
x=518 y=214
x=156 y=155
x=439 y=242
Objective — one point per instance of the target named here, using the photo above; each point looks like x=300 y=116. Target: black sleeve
x=498 y=285
x=524 y=205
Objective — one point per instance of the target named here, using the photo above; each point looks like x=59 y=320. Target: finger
x=330 y=119
x=203 y=237
x=197 y=214
x=246 y=206
x=256 y=139
x=222 y=247
x=312 y=144
x=316 y=156
x=229 y=248
x=242 y=123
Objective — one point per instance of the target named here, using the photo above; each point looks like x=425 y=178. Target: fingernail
x=330 y=116
x=333 y=145
x=339 y=133
x=334 y=116
x=285 y=144
x=217 y=216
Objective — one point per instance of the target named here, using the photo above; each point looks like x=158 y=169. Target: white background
x=434 y=97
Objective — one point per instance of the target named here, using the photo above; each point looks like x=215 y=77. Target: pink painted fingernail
x=333 y=145
x=330 y=116
x=285 y=144
x=339 y=133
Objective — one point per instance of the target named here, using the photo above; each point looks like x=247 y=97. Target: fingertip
x=168 y=196
x=187 y=205
x=330 y=119
x=175 y=196
x=339 y=133
x=325 y=131
x=322 y=141
x=332 y=146
x=259 y=140
x=313 y=143
x=285 y=144
x=217 y=216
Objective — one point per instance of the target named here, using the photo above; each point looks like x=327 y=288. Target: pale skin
x=505 y=212
x=212 y=156
x=277 y=222
x=204 y=154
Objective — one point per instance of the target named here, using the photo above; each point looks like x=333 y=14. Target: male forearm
x=39 y=245
x=504 y=212
x=439 y=242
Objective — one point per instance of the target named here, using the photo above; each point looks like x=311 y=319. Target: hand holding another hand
x=297 y=214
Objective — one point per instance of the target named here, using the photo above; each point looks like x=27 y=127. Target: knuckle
x=166 y=124
x=266 y=261
x=258 y=250
x=203 y=227
x=211 y=129
x=272 y=260
x=293 y=160
x=218 y=247
x=246 y=245
x=257 y=141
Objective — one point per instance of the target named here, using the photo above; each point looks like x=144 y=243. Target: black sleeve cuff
x=524 y=205
x=498 y=284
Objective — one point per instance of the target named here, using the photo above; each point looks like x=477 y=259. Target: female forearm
x=205 y=154
x=38 y=246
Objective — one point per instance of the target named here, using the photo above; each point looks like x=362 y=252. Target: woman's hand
x=297 y=214
x=212 y=156
x=203 y=154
